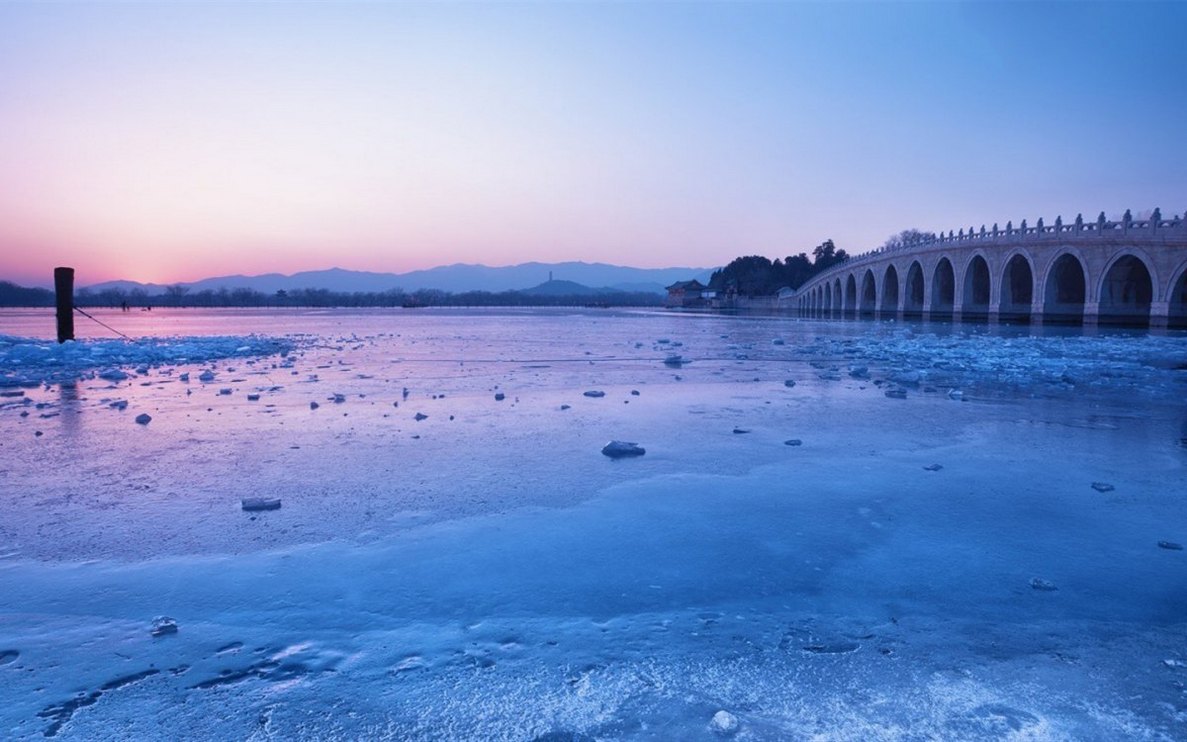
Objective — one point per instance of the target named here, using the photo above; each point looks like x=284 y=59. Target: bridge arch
x=915 y=296
x=868 y=299
x=889 y=304
x=1176 y=298
x=978 y=287
x=1128 y=286
x=1065 y=287
x=943 y=290
x=851 y=296
x=1016 y=291
x=1107 y=270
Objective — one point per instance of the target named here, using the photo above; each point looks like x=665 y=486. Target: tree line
x=12 y=295
x=755 y=275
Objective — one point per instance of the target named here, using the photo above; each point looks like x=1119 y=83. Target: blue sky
x=168 y=142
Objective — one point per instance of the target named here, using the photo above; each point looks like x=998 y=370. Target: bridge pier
x=1160 y=314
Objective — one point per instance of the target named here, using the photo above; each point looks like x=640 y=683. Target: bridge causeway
x=1131 y=271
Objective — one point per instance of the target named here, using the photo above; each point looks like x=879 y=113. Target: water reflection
x=69 y=407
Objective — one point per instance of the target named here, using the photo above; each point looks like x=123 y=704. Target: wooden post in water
x=64 y=292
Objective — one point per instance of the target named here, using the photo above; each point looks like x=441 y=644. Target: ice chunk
x=421 y=416
x=143 y=418
x=1173 y=546
x=933 y=467
x=908 y=378
x=1038 y=583
x=896 y=393
x=789 y=383
x=595 y=393
x=206 y=376
x=499 y=396
x=622 y=449
x=112 y=374
x=163 y=626
x=724 y=723
x=675 y=361
x=1103 y=487
x=253 y=504
x=793 y=442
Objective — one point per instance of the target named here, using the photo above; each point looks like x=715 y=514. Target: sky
x=168 y=142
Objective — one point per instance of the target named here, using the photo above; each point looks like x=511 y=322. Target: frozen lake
x=974 y=538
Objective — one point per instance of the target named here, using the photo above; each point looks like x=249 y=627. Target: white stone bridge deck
x=1126 y=272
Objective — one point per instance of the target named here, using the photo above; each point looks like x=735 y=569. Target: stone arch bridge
x=1130 y=272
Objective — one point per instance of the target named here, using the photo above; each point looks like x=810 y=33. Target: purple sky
x=169 y=142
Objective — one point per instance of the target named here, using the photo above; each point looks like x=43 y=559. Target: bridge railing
x=1102 y=226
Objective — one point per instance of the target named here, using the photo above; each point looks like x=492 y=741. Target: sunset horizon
x=170 y=142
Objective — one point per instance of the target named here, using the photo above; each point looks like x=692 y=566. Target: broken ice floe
x=622 y=449
x=254 y=504
x=724 y=723
x=163 y=626
x=30 y=360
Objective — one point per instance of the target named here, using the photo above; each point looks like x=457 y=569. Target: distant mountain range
x=572 y=278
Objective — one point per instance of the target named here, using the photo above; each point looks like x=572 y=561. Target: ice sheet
x=486 y=573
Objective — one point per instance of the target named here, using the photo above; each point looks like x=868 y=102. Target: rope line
x=109 y=327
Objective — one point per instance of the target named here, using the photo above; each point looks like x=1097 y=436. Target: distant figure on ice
x=123 y=306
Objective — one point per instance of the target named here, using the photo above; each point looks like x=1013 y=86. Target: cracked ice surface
x=32 y=361
x=486 y=573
